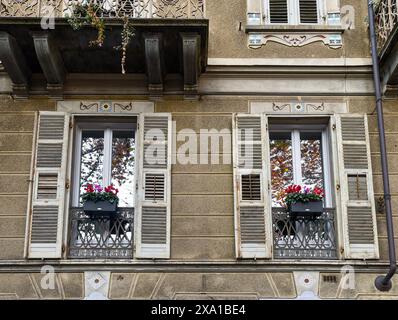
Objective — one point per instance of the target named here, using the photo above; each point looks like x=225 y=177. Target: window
x=294 y=11
x=299 y=156
x=105 y=154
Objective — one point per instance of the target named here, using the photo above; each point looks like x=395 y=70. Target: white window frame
x=108 y=127
x=293 y=13
x=296 y=154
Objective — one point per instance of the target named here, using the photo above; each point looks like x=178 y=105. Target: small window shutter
x=358 y=204
x=278 y=11
x=153 y=209
x=308 y=11
x=48 y=192
x=252 y=214
x=254 y=12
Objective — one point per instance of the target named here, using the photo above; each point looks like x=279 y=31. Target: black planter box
x=100 y=208
x=309 y=209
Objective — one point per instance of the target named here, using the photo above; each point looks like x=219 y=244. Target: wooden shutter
x=153 y=210
x=278 y=11
x=333 y=12
x=358 y=204
x=254 y=12
x=48 y=193
x=308 y=11
x=252 y=213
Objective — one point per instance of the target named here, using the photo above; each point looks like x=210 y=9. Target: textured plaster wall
x=232 y=43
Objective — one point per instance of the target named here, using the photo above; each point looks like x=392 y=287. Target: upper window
x=293 y=11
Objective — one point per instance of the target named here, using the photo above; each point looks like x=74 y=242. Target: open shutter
x=358 y=204
x=308 y=11
x=253 y=238
x=153 y=219
x=48 y=192
x=254 y=12
x=277 y=11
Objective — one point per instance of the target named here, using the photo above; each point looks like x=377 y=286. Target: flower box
x=100 y=207
x=310 y=209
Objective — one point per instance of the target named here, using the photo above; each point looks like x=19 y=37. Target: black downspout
x=382 y=283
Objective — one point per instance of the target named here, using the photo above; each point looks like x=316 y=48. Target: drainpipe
x=382 y=283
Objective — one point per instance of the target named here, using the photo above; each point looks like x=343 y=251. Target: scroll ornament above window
x=294 y=23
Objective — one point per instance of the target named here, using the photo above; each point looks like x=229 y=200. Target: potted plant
x=304 y=202
x=100 y=201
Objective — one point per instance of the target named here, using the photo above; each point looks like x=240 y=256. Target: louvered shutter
x=254 y=12
x=48 y=193
x=358 y=204
x=252 y=213
x=308 y=11
x=278 y=11
x=153 y=223
x=333 y=12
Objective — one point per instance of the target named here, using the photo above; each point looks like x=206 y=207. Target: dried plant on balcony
x=92 y=14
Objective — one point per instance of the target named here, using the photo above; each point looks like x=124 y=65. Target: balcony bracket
x=155 y=67
x=14 y=62
x=191 y=63
x=51 y=63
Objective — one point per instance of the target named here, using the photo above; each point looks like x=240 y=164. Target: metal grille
x=302 y=237
x=101 y=236
x=386 y=15
x=169 y=9
x=357 y=187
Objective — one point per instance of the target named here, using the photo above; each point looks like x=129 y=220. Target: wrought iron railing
x=386 y=15
x=174 y=9
x=103 y=236
x=304 y=237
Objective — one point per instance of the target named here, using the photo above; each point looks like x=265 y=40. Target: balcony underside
x=160 y=47
x=389 y=64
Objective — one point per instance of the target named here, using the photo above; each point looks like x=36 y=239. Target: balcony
x=164 y=9
x=101 y=237
x=43 y=54
x=302 y=237
x=386 y=15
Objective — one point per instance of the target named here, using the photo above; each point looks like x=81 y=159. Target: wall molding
x=296 y=106
x=105 y=107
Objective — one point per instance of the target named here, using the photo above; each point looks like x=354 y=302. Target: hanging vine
x=92 y=14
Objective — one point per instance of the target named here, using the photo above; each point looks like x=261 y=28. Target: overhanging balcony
x=170 y=9
x=166 y=55
x=386 y=14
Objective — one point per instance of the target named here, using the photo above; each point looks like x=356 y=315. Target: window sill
x=294 y=28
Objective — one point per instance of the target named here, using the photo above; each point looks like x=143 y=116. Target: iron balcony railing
x=167 y=9
x=304 y=237
x=101 y=237
x=386 y=15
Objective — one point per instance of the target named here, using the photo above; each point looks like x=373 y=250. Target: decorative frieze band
x=332 y=40
x=297 y=107
x=104 y=107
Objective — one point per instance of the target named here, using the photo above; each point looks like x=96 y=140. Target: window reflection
x=281 y=165
x=92 y=158
x=123 y=150
x=311 y=159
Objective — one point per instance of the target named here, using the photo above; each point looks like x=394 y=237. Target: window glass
x=311 y=159
x=92 y=158
x=123 y=151
x=281 y=165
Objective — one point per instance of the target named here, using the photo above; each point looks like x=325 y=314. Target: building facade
x=201 y=120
